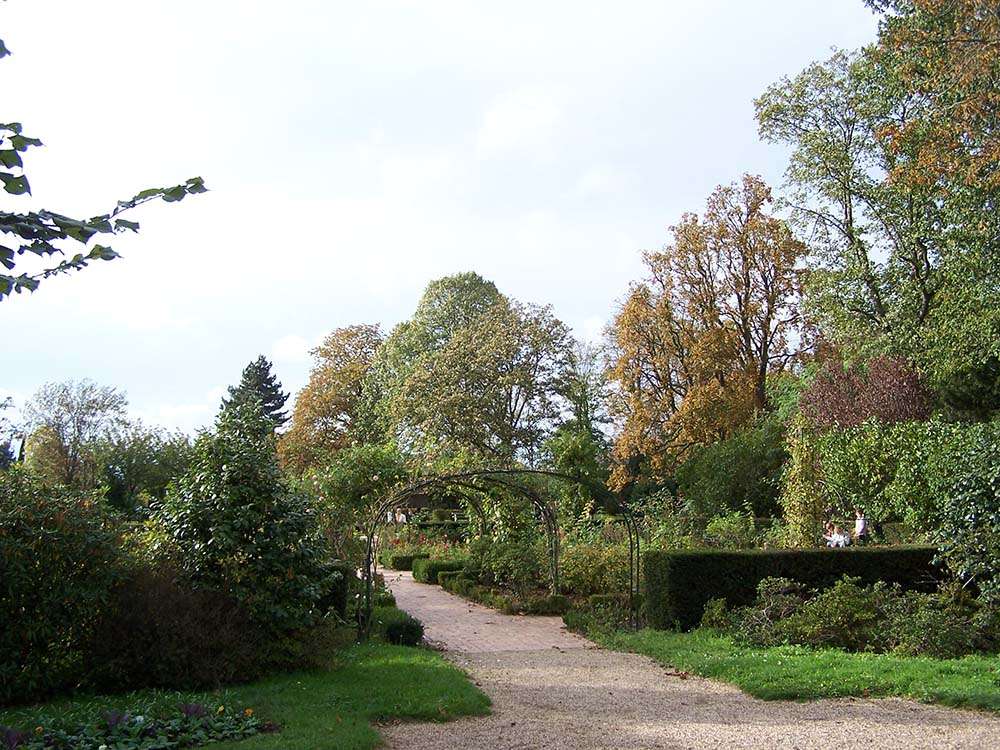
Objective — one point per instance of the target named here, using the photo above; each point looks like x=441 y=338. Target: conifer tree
x=259 y=383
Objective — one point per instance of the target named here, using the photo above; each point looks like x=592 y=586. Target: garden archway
x=479 y=481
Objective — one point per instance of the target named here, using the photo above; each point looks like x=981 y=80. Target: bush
x=599 y=613
x=344 y=577
x=553 y=604
x=587 y=569
x=679 y=583
x=399 y=561
x=59 y=562
x=731 y=531
x=159 y=634
x=425 y=569
x=241 y=530
x=444 y=575
x=396 y=626
x=944 y=624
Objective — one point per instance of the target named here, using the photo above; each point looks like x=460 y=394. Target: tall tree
x=331 y=411
x=66 y=424
x=491 y=389
x=41 y=234
x=693 y=345
x=258 y=383
x=903 y=261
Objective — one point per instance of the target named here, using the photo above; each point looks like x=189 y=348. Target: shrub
x=731 y=531
x=587 y=569
x=777 y=598
x=679 y=583
x=599 y=613
x=158 y=633
x=444 y=575
x=847 y=615
x=338 y=593
x=397 y=626
x=716 y=615
x=59 y=561
x=402 y=561
x=553 y=604
x=426 y=569
x=239 y=528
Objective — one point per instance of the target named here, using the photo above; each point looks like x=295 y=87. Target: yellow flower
x=221 y=709
x=39 y=730
x=248 y=712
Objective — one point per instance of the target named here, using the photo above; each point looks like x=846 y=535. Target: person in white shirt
x=860 y=526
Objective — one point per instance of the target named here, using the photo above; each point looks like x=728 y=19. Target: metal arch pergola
x=474 y=481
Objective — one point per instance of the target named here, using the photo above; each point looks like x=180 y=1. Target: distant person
x=835 y=536
x=860 y=526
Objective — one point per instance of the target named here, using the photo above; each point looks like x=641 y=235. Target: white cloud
x=292 y=349
x=599 y=181
x=524 y=120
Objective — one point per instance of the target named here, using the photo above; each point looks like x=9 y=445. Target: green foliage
x=680 y=583
x=139 y=463
x=426 y=570
x=241 y=530
x=600 y=613
x=848 y=615
x=969 y=530
x=403 y=561
x=592 y=568
x=396 y=626
x=190 y=725
x=347 y=485
x=258 y=383
x=59 y=562
x=41 y=234
x=750 y=482
x=731 y=531
x=908 y=472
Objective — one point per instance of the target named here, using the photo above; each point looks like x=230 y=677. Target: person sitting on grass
x=835 y=536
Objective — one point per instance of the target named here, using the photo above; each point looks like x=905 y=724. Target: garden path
x=553 y=689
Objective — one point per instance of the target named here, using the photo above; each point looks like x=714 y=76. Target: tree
x=66 y=422
x=331 y=411
x=6 y=453
x=138 y=464
x=258 y=383
x=583 y=386
x=448 y=305
x=902 y=263
x=693 y=345
x=40 y=234
x=490 y=389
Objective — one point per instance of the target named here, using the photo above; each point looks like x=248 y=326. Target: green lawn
x=797 y=673
x=322 y=710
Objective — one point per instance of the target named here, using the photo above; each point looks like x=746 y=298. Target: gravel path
x=553 y=689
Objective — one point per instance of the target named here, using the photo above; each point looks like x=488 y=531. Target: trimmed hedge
x=403 y=562
x=425 y=570
x=337 y=597
x=679 y=583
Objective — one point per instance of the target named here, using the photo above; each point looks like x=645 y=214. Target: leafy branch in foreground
x=37 y=232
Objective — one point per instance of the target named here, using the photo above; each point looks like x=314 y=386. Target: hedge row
x=679 y=583
x=401 y=561
x=425 y=570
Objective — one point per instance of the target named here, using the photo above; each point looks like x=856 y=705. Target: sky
x=354 y=151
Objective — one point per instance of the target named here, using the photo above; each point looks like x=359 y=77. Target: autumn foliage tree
x=692 y=345
x=330 y=410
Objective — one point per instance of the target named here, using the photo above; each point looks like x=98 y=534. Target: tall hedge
x=679 y=583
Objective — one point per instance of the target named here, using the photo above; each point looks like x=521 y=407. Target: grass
x=320 y=710
x=799 y=673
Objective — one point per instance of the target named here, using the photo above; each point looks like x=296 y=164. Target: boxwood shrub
x=396 y=626
x=680 y=583
x=425 y=570
x=398 y=561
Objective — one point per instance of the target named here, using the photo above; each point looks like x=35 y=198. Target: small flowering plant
x=192 y=725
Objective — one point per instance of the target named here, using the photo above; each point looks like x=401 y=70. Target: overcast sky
x=355 y=151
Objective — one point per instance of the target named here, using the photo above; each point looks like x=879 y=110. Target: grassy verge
x=798 y=673
x=321 y=710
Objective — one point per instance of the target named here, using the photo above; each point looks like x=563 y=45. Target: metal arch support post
x=634 y=567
